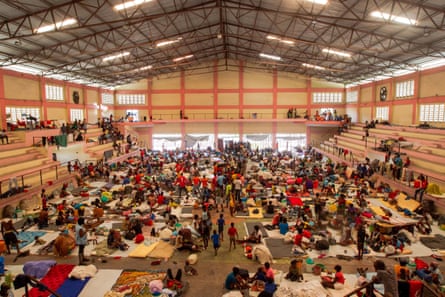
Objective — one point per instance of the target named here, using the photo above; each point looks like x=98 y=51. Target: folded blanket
x=82 y=272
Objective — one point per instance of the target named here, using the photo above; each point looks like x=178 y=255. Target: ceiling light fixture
x=182 y=58
x=56 y=26
x=271 y=57
x=145 y=68
x=279 y=39
x=109 y=58
x=335 y=52
x=168 y=42
x=313 y=66
x=322 y=2
x=23 y=69
x=393 y=18
x=130 y=4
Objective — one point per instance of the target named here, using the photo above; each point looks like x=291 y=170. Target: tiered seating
x=97 y=150
x=20 y=155
x=424 y=147
x=29 y=166
x=426 y=152
x=14 y=137
x=93 y=134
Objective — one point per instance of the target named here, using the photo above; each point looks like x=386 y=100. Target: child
x=233 y=236
x=189 y=270
x=337 y=282
x=215 y=240
x=232 y=206
x=221 y=222
x=39 y=241
x=92 y=236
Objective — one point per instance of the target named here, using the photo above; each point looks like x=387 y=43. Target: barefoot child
x=215 y=241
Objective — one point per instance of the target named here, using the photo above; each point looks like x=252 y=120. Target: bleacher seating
x=424 y=147
x=28 y=166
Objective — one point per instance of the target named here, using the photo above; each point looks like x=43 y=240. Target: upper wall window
x=107 y=98
x=54 y=93
x=327 y=97
x=130 y=99
x=382 y=113
x=352 y=97
x=432 y=113
x=76 y=114
x=405 y=89
x=22 y=113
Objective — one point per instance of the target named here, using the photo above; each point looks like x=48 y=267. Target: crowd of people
x=218 y=180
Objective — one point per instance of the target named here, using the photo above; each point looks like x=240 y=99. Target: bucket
x=309 y=265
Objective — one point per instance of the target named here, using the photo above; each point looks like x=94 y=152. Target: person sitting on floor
x=255 y=236
x=276 y=219
x=43 y=218
x=295 y=272
x=260 y=275
x=432 y=274
x=270 y=208
x=337 y=282
x=188 y=269
x=234 y=280
x=114 y=240
x=283 y=226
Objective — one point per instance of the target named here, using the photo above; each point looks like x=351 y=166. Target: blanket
x=136 y=281
x=72 y=287
x=53 y=279
x=100 y=283
x=28 y=237
x=38 y=269
x=250 y=228
x=162 y=250
x=102 y=249
x=83 y=272
x=433 y=242
x=278 y=248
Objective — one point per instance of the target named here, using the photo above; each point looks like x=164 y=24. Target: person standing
x=44 y=199
x=361 y=237
x=233 y=236
x=205 y=232
x=181 y=181
x=9 y=236
x=221 y=222
x=387 y=278
x=237 y=186
x=81 y=240
x=318 y=207
x=215 y=241
x=4 y=136
x=423 y=183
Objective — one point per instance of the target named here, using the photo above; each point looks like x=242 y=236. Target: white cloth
x=82 y=272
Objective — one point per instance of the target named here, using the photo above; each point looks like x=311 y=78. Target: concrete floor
x=212 y=269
